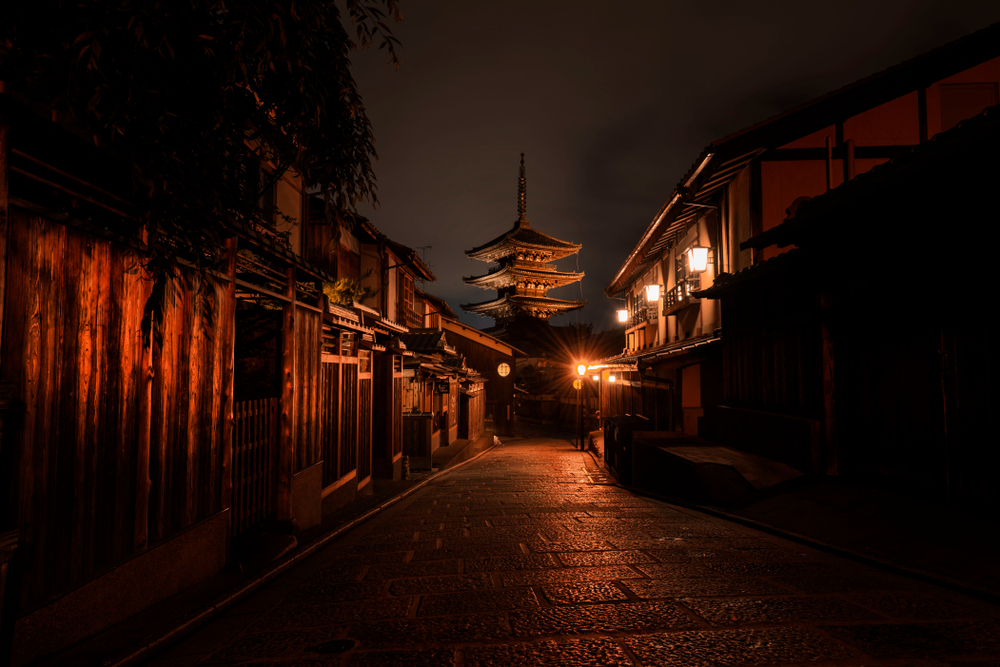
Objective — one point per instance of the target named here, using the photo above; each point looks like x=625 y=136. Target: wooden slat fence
x=349 y=418
x=330 y=417
x=363 y=417
x=397 y=415
x=255 y=442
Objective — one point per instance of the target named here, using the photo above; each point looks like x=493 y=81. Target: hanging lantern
x=697 y=259
x=622 y=315
x=611 y=378
x=595 y=378
x=652 y=293
x=503 y=370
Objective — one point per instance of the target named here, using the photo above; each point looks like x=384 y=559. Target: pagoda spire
x=522 y=187
x=525 y=271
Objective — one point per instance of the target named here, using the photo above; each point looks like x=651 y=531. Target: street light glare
x=581 y=369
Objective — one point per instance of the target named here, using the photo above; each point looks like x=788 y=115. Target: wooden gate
x=254 y=465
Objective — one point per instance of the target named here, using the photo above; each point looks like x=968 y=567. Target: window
x=404 y=300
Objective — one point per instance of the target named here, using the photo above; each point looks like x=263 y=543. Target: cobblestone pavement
x=528 y=556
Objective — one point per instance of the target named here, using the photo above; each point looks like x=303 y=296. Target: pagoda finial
x=521 y=192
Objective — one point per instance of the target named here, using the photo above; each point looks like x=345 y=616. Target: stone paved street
x=529 y=556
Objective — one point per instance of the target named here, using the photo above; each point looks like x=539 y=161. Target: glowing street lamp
x=581 y=370
x=611 y=378
x=622 y=315
x=652 y=293
x=697 y=259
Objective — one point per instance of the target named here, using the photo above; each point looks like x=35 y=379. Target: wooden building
x=909 y=405
x=751 y=371
x=131 y=465
x=494 y=359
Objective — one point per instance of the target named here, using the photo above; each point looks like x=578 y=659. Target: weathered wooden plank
x=286 y=439
x=228 y=365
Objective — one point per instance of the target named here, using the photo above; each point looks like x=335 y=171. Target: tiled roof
x=424 y=341
x=445 y=309
x=542 y=302
x=524 y=235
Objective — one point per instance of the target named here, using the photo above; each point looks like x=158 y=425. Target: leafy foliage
x=199 y=95
x=347 y=291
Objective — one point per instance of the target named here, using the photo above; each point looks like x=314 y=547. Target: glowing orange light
x=577 y=384
x=595 y=378
x=581 y=369
x=697 y=259
x=652 y=293
x=623 y=315
x=611 y=378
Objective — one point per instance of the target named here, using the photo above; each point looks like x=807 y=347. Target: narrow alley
x=530 y=555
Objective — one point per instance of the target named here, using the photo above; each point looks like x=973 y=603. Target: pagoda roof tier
x=536 y=306
x=512 y=274
x=523 y=238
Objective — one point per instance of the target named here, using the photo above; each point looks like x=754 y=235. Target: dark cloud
x=610 y=102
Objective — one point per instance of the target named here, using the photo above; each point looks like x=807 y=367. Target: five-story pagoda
x=523 y=275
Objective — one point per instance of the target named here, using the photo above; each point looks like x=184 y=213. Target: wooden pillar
x=227 y=379
x=849 y=169
x=4 y=210
x=286 y=426
x=829 y=385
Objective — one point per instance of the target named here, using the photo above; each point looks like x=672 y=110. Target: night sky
x=611 y=102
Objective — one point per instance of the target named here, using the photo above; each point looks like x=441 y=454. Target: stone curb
x=184 y=627
x=894 y=568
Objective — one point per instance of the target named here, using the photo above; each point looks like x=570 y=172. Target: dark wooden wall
x=307 y=417
x=191 y=414
x=120 y=445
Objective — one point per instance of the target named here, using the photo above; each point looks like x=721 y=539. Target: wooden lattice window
x=404 y=300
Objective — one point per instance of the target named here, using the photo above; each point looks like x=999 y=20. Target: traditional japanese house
x=432 y=394
x=523 y=274
x=761 y=387
x=491 y=357
x=910 y=407
x=496 y=361
x=133 y=466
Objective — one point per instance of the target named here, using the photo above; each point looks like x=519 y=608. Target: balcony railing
x=680 y=295
x=413 y=320
x=640 y=316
